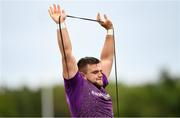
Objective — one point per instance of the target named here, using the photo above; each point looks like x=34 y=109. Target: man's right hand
x=55 y=12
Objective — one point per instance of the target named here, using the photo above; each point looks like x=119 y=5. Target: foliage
x=158 y=99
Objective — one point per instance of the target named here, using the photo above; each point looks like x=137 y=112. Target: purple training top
x=85 y=99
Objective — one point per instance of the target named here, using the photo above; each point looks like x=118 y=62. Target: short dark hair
x=83 y=62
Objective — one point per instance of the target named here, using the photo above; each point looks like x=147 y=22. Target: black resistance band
x=115 y=67
x=62 y=41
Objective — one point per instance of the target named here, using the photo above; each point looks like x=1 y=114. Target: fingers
x=98 y=17
x=50 y=10
x=55 y=9
x=58 y=9
x=64 y=14
x=102 y=19
x=105 y=17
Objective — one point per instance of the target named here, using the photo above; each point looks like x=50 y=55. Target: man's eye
x=95 y=72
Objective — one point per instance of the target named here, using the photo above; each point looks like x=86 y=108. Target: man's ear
x=84 y=75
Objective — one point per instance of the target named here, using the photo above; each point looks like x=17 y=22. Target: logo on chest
x=101 y=95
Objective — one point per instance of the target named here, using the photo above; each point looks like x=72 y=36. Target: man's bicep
x=69 y=67
x=106 y=67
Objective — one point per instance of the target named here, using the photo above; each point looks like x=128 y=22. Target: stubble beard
x=99 y=83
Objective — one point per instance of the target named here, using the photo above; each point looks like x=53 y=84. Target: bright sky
x=147 y=39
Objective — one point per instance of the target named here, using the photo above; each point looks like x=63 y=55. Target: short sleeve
x=73 y=83
x=105 y=81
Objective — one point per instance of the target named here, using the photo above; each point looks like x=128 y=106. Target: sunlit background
x=147 y=35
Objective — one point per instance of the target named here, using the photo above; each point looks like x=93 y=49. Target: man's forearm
x=108 y=48
x=66 y=41
x=68 y=60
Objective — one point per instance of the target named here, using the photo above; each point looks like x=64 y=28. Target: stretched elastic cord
x=115 y=68
x=83 y=18
x=62 y=41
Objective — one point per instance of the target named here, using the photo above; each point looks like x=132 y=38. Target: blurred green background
x=156 y=99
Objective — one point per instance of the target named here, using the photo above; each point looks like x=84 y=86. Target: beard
x=98 y=83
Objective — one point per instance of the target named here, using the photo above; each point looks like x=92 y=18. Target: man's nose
x=100 y=74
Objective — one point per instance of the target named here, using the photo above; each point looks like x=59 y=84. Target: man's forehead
x=94 y=66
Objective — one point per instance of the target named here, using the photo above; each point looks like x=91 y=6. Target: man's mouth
x=99 y=79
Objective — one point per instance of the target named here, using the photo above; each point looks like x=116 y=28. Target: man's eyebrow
x=96 y=71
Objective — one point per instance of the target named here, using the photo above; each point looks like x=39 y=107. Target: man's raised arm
x=108 y=48
x=68 y=61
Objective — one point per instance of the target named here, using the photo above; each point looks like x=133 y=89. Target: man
x=86 y=80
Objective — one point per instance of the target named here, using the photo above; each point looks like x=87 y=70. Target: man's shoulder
x=74 y=81
x=76 y=75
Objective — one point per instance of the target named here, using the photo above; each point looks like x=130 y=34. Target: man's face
x=94 y=74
